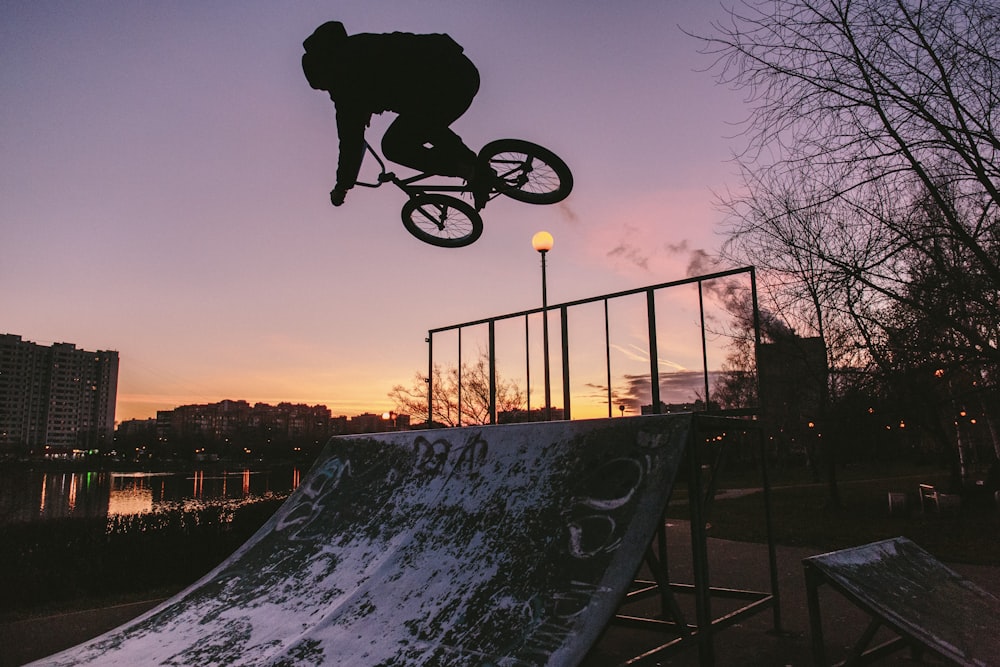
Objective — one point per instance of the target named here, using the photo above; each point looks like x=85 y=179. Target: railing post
x=564 y=321
x=654 y=368
x=527 y=367
x=607 y=354
x=493 y=373
x=756 y=330
x=704 y=344
x=430 y=377
x=460 y=376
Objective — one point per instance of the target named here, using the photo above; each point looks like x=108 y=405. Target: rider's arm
x=351 y=123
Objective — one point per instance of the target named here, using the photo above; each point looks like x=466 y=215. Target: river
x=34 y=495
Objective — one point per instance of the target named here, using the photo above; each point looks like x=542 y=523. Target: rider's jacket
x=370 y=73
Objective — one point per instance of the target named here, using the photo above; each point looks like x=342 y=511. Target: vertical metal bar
x=699 y=551
x=654 y=370
x=704 y=344
x=430 y=377
x=493 y=373
x=772 y=554
x=460 y=376
x=756 y=331
x=607 y=354
x=564 y=322
x=661 y=551
x=527 y=366
x=545 y=344
x=813 y=581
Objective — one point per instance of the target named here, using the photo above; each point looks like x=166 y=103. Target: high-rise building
x=55 y=399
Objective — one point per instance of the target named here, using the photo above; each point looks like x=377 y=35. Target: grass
x=802 y=516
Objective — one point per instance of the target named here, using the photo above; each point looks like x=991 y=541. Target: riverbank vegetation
x=74 y=563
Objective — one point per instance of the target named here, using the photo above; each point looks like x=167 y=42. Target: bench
x=903 y=588
x=931 y=498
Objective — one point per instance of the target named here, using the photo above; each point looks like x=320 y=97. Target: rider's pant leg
x=406 y=139
x=405 y=143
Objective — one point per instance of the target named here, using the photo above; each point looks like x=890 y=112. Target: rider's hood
x=325 y=38
x=320 y=48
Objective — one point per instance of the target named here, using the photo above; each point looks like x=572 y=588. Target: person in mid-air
x=426 y=80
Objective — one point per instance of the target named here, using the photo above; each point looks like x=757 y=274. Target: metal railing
x=563 y=309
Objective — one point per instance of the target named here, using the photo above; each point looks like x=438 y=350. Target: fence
x=563 y=310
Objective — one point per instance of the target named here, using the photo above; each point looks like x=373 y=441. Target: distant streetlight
x=542 y=242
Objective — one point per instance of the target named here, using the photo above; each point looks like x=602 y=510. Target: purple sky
x=165 y=170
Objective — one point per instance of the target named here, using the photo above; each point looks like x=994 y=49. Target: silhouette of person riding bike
x=368 y=74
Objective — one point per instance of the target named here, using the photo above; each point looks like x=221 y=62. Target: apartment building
x=55 y=399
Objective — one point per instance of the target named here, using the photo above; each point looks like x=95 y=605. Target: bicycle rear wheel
x=441 y=220
x=528 y=172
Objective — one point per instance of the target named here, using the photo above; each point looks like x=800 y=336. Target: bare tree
x=471 y=391
x=867 y=114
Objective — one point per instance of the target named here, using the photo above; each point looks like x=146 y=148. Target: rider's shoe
x=482 y=184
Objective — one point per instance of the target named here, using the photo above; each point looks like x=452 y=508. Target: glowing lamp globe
x=542 y=241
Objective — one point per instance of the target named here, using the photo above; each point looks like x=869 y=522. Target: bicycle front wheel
x=528 y=172
x=441 y=220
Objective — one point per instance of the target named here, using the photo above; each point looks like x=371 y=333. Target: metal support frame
x=701 y=493
x=679 y=632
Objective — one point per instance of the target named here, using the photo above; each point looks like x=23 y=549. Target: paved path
x=736 y=564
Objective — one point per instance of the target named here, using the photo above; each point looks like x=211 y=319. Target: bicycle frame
x=441 y=214
x=411 y=185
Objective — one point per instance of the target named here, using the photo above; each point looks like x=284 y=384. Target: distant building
x=793 y=376
x=369 y=423
x=228 y=428
x=697 y=405
x=232 y=419
x=137 y=428
x=55 y=399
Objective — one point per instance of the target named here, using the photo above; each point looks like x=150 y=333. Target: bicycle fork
x=437 y=214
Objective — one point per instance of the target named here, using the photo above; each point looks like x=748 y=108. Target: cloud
x=677 y=248
x=635 y=391
x=630 y=254
x=568 y=213
x=651 y=233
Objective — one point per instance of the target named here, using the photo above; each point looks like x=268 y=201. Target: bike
x=525 y=172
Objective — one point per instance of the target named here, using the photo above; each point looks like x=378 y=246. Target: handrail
x=563 y=308
x=594 y=299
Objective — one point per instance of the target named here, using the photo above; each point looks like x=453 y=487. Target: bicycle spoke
x=442 y=221
x=436 y=216
x=528 y=172
x=524 y=172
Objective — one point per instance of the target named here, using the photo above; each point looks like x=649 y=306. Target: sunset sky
x=165 y=169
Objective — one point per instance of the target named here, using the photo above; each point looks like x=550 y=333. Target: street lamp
x=542 y=242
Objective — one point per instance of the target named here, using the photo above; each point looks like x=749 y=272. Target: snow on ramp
x=501 y=546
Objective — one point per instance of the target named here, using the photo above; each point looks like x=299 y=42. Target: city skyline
x=166 y=173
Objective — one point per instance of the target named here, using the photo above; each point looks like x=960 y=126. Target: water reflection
x=38 y=496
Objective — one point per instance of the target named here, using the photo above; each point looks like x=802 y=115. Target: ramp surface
x=905 y=588
x=500 y=546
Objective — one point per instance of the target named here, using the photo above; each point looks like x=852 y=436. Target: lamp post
x=542 y=242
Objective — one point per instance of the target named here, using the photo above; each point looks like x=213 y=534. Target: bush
x=59 y=560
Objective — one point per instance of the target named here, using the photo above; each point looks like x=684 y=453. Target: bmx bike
x=524 y=171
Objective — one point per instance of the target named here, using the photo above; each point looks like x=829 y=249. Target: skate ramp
x=501 y=546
